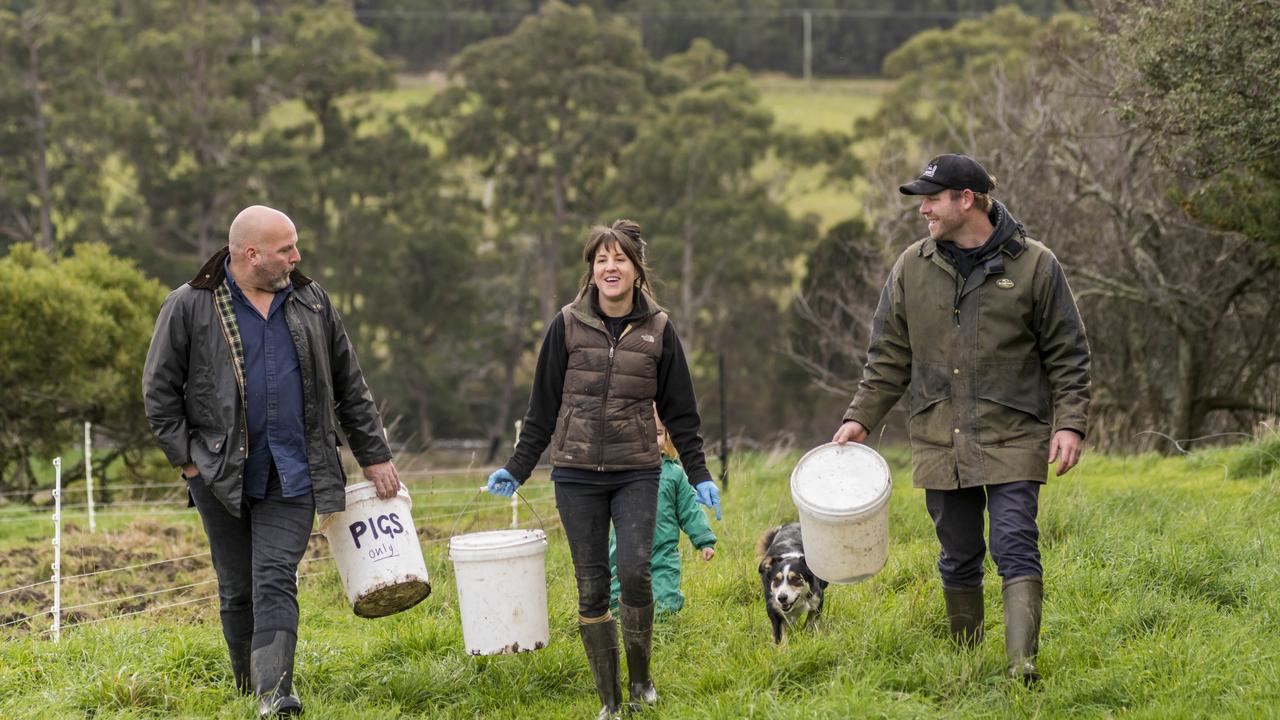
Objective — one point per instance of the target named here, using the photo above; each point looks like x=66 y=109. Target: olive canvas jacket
x=194 y=396
x=993 y=366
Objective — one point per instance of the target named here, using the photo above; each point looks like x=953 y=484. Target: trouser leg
x=958 y=521
x=585 y=513
x=1015 y=537
x=231 y=548
x=281 y=528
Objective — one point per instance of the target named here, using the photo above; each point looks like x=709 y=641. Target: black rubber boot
x=271 y=671
x=964 y=611
x=637 y=640
x=1023 y=598
x=600 y=638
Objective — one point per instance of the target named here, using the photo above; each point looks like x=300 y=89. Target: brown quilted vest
x=606 y=410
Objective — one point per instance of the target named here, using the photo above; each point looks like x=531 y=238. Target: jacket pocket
x=1013 y=401
x=930 y=385
x=648 y=431
x=562 y=429
x=336 y=454
x=930 y=390
x=208 y=451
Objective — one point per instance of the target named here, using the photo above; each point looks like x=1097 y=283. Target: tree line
x=846 y=37
x=447 y=230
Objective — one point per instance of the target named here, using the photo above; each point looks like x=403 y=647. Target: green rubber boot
x=1023 y=598
x=964 y=611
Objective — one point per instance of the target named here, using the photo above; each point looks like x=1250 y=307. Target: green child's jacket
x=677 y=510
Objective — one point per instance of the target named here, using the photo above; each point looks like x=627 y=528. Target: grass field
x=1162 y=601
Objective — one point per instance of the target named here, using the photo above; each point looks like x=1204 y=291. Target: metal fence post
x=57 y=549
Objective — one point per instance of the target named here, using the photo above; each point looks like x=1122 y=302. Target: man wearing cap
x=978 y=323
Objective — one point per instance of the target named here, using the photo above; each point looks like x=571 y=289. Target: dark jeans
x=586 y=511
x=256 y=558
x=957 y=517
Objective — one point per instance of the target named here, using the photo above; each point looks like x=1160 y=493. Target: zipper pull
x=611 y=352
x=957 y=311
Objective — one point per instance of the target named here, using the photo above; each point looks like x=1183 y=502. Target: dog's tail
x=762 y=545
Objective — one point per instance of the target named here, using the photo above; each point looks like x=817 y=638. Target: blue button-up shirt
x=273 y=397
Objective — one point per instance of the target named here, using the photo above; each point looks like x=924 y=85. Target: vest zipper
x=604 y=404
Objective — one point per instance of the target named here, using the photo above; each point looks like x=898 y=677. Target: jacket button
x=241 y=448
x=955 y=371
x=217 y=446
x=957 y=431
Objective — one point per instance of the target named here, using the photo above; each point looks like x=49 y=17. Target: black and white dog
x=791 y=590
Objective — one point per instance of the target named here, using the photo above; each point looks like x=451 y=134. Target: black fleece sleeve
x=678 y=407
x=544 y=402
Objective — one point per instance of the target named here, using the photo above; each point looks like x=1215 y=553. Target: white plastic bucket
x=842 y=495
x=502 y=590
x=377 y=551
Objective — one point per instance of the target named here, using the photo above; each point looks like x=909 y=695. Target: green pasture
x=1162 y=601
x=826 y=104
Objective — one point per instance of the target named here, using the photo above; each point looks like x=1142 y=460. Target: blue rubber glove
x=502 y=483
x=709 y=495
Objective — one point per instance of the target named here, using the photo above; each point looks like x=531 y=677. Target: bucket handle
x=483 y=489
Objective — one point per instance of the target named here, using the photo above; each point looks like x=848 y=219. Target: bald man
x=248 y=369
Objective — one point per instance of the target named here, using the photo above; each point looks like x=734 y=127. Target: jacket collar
x=584 y=306
x=214 y=272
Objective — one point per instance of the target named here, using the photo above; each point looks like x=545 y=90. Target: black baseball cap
x=950 y=172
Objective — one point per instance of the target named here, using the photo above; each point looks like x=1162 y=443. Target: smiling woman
x=608 y=357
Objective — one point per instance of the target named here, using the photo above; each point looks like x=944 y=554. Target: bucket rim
x=323 y=520
x=842 y=513
x=518 y=537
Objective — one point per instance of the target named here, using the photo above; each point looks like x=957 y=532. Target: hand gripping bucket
x=842 y=495
x=502 y=590
x=377 y=551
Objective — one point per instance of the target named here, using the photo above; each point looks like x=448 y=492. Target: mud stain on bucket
x=512 y=649
x=391 y=597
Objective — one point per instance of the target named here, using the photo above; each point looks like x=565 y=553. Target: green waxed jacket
x=994 y=366
x=678 y=510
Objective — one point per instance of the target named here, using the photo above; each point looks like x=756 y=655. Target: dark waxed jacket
x=995 y=363
x=194 y=400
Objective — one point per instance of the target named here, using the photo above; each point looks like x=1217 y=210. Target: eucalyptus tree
x=544 y=113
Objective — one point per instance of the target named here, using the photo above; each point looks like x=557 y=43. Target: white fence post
x=57 y=549
x=88 y=473
x=515 y=501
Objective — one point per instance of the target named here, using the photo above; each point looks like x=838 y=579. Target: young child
x=677 y=510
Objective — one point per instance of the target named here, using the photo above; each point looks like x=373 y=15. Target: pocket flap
x=213 y=440
x=930 y=385
x=1020 y=386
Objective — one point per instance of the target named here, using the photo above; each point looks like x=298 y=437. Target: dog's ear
x=766 y=564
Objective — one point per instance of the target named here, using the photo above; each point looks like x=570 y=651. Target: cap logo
x=1004 y=283
x=929 y=171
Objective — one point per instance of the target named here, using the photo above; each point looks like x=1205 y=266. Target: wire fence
x=427 y=515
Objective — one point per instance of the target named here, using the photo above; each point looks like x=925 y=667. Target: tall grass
x=1162 y=601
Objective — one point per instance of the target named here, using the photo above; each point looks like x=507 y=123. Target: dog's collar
x=790 y=556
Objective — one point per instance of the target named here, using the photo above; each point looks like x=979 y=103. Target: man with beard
x=978 y=323
x=248 y=368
